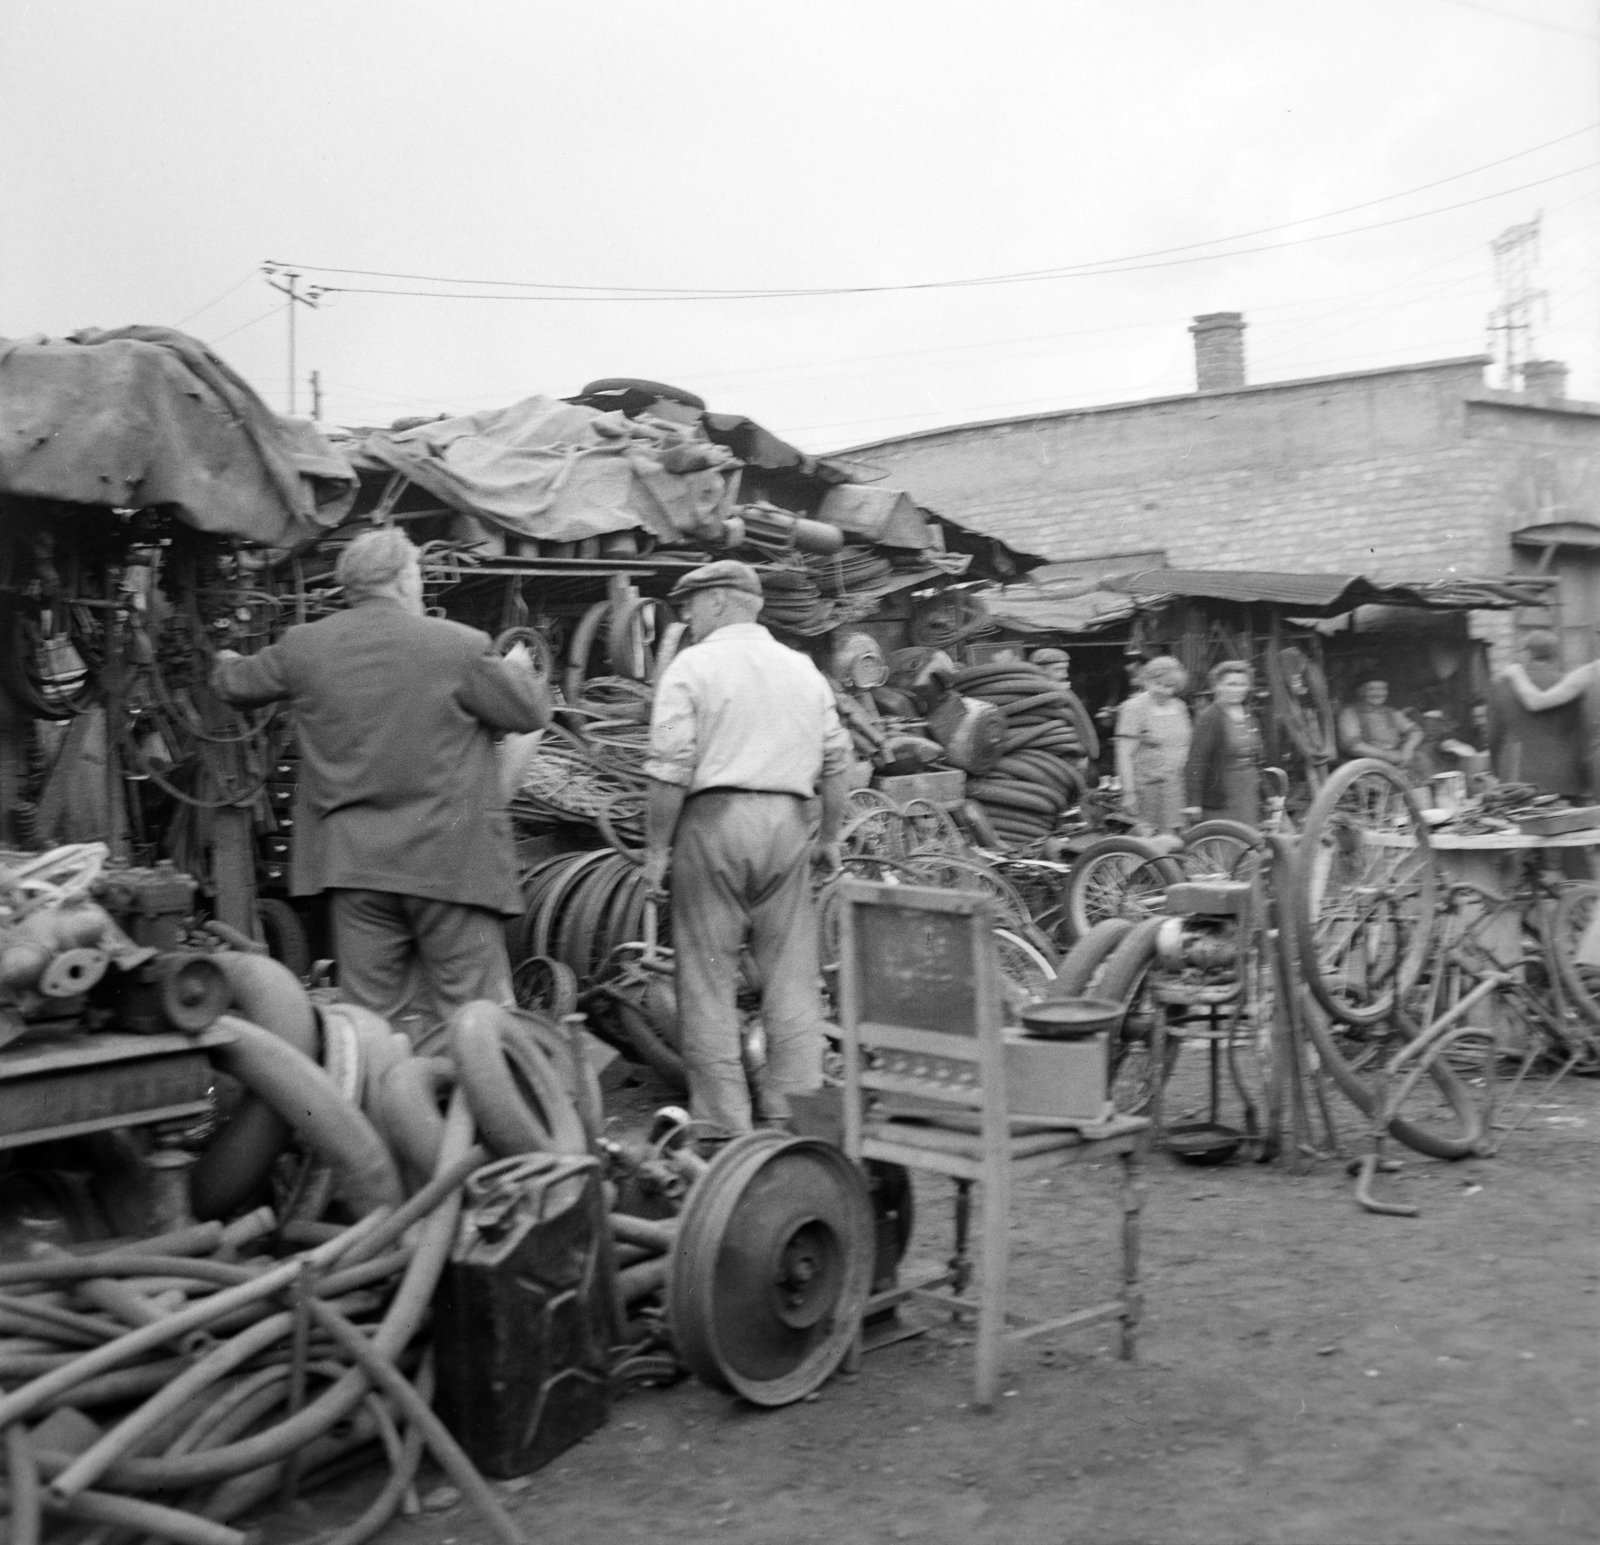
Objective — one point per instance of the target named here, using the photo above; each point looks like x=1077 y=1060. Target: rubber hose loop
x=293 y=1084
x=490 y=1049
x=242 y=1154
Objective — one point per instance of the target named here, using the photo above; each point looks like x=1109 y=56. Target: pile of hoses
x=579 y=908
x=794 y=602
x=1049 y=736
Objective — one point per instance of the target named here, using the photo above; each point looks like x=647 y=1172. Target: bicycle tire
x=1332 y=861
x=1215 y=849
x=1022 y=963
x=1408 y=1130
x=1092 y=896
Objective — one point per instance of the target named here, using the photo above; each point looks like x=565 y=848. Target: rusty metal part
x=772 y=1267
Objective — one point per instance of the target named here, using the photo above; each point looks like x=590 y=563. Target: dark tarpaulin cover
x=138 y=417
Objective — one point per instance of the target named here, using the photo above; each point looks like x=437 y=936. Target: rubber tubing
x=241 y=1156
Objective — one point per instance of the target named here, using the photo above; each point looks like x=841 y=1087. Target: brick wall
x=1394 y=474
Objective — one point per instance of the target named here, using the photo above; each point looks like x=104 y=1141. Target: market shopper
x=1223 y=774
x=1371 y=726
x=744 y=732
x=1153 y=734
x=1541 y=747
x=398 y=812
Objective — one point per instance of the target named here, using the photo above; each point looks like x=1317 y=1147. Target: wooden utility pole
x=311 y=298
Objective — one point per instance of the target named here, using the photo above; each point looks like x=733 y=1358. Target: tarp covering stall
x=146 y=417
x=559 y=472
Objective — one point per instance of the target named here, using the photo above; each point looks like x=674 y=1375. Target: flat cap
x=724 y=574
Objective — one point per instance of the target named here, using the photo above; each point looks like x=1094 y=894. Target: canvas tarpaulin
x=561 y=472
x=142 y=417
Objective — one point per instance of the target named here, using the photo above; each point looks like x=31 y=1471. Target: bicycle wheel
x=1128 y=979
x=1363 y=894
x=1117 y=877
x=1215 y=850
x=1024 y=969
x=874 y=833
x=1574 y=912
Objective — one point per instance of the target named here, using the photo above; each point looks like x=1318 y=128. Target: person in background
x=743 y=733
x=1055 y=663
x=1579 y=688
x=398 y=809
x=1371 y=727
x=1223 y=775
x=1153 y=745
x=1544 y=748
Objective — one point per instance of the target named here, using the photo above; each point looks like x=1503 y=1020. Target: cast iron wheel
x=772 y=1267
x=1117 y=877
x=1363 y=898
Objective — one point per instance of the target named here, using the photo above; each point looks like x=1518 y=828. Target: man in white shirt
x=743 y=733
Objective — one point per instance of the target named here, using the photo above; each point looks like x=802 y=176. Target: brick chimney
x=1218 y=351
x=1545 y=380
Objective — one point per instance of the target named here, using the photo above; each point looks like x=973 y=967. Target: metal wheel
x=1117 y=877
x=926 y=828
x=874 y=833
x=1363 y=897
x=1574 y=911
x=772 y=1267
x=1026 y=972
x=1215 y=850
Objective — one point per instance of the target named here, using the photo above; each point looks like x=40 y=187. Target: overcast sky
x=156 y=153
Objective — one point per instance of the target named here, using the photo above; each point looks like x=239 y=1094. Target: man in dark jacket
x=398 y=811
x=1542 y=748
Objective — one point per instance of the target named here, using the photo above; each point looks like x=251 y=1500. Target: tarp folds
x=145 y=416
x=561 y=472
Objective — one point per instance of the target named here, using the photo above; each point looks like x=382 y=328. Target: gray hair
x=374 y=561
x=1542 y=644
x=1166 y=670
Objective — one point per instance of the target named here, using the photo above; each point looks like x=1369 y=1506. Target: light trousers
x=741 y=869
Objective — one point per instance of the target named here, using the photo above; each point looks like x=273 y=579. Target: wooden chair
x=925 y=1086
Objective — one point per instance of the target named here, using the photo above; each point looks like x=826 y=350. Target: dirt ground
x=1306 y=1373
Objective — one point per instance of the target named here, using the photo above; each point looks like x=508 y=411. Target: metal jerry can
x=522 y=1314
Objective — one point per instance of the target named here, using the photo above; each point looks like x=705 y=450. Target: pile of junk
x=252 y=1236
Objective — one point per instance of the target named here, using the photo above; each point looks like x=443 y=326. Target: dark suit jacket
x=399 y=781
x=1208 y=759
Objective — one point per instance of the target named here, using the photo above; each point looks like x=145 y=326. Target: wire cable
x=1128 y=263
x=218 y=301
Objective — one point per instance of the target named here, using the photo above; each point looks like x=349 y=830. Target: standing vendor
x=1580 y=686
x=1370 y=727
x=1542 y=748
x=398 y=810
x=743 y=733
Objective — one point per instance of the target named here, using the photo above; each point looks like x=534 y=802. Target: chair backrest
x=919 y=1005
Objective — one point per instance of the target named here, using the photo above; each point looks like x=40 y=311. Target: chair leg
x=961 y=1261
x=1132 y=1297
x=992 y=1287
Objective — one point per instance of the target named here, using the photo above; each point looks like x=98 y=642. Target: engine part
x=772 y=1267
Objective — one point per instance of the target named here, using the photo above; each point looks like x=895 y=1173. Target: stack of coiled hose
x=1049 y=738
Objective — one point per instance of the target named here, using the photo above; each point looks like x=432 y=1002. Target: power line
x=1527 y=21
x=251 y=323
x=218 y=301
x=669 y=292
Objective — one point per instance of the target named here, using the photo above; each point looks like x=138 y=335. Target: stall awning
x=1087 y=606
x=146 y=417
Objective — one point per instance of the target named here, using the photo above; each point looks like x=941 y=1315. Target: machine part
x=303 y=1095
x=192 y=988
x=772 y=1267
x=1203 y=1142
x=1362 y=902
x=72 y=972
x=1117 y=877
x=1058 y=1019
x=514 y=1094
x=1126 y=979
x=546 y=985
